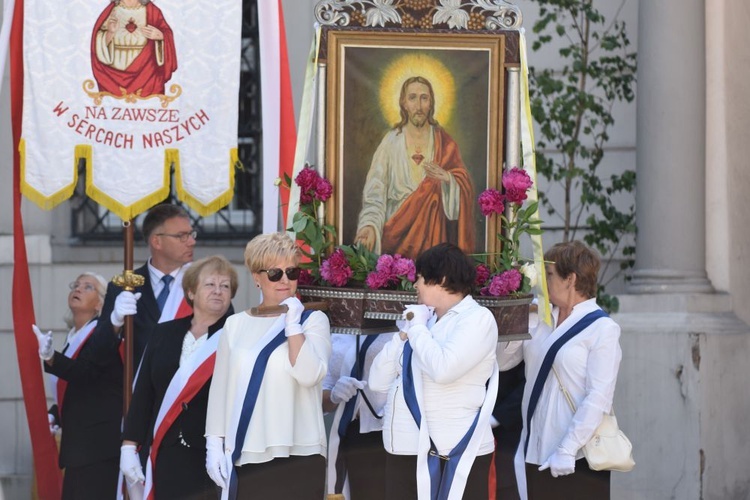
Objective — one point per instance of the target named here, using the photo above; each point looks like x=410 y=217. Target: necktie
x=162 y=298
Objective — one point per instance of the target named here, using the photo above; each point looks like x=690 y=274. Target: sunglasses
x=275 y=274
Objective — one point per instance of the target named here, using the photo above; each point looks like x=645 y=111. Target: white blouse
x=288 y=415
x=457 y=357
x=587 y=365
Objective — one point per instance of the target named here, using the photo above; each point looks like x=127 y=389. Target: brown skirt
x=584 y=483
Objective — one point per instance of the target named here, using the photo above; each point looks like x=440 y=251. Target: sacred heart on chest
x=417 y=157
x=131 y=26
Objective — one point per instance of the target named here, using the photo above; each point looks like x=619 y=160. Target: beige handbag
x=609 y=448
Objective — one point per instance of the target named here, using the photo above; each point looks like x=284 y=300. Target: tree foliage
x=572 y=105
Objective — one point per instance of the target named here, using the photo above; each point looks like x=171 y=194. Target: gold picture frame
x=365 y=73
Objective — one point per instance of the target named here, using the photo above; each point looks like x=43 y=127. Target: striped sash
x=436 y=480
x=336 y=467
x=72 y=350
x=546 y=366
x=185 y=384
x=258 y=360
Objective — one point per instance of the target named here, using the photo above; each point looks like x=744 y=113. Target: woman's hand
x=216 y=462
x=560 y=463
x=130 y=464
x=345 y=389
x=45 y=343
x=420 y=315
x=293 y=318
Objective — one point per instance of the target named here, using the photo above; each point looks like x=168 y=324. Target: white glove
x=560 y=463
x=216 y=463
x=130 y=464
x=421 y=315
x=345 y=389
x=293 y=316
x=125 y=305
x=53 y=427
x=45 y=343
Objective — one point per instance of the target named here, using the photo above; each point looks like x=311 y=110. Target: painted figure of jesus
x=132 y=49
x=418 y=192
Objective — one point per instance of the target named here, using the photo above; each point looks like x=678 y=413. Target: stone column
x=671 y=140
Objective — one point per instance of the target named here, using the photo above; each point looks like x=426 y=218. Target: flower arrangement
x=345 y=264
x=317 y=237
x=504 y=273
x=393 y=272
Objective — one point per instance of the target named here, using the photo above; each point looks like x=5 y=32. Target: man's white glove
x=130 y=464
x=125 y=305
x=53 y=427
x=560 y=463
x=421 y=314
x=293 y=318
x=345 y=389
x=216 y=462
x=45 y=343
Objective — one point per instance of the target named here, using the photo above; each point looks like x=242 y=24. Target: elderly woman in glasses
x=167 y=415
x=264 y=431
x=88 y=395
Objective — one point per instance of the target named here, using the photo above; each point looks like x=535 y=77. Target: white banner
x=132 y=86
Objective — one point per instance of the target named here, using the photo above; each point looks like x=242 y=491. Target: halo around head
x=422 y=65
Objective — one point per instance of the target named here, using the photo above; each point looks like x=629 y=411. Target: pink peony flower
x=491 y=202
x=483 y=274
x=516 y=182
x=404 y=267
x=335 y=269
x=307 y=179
x=385 y=264
x=505 y=283
x=323 y=189
x=390 y=270
x=376 y=280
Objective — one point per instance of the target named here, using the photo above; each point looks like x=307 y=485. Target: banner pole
x=128 y=281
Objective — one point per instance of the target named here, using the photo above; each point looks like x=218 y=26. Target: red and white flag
x=279 y=132
x=132 y=88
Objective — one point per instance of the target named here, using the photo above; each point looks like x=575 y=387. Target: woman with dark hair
x=167 y=414
x=436 y=426
x=88 y=393
x=581 y=353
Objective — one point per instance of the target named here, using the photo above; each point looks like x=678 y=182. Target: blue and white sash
x=244 y=404
x=447 y=482
x=336 y=468
x=546 y=365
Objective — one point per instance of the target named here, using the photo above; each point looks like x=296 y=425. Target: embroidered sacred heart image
x=131 y=26
x=417 y=157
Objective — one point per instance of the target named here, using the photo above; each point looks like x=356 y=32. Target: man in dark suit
x=506 y=426
x=170 y=238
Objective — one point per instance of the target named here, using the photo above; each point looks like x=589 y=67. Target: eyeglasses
x=86 y=287
x=183 y=237
x=275 y=274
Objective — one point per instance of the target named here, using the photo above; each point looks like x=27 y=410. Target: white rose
x=529 y=270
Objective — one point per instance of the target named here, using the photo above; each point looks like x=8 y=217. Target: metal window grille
x=242 y=218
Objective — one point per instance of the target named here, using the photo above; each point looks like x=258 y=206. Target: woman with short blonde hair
x=264 y=430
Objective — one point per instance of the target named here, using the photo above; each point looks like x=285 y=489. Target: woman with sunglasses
x=264 y=429
x=88 y=393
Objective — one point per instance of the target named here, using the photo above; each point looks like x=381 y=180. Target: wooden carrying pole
x=128 y=281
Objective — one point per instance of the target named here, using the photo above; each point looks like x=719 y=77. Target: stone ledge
x=675 y=302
